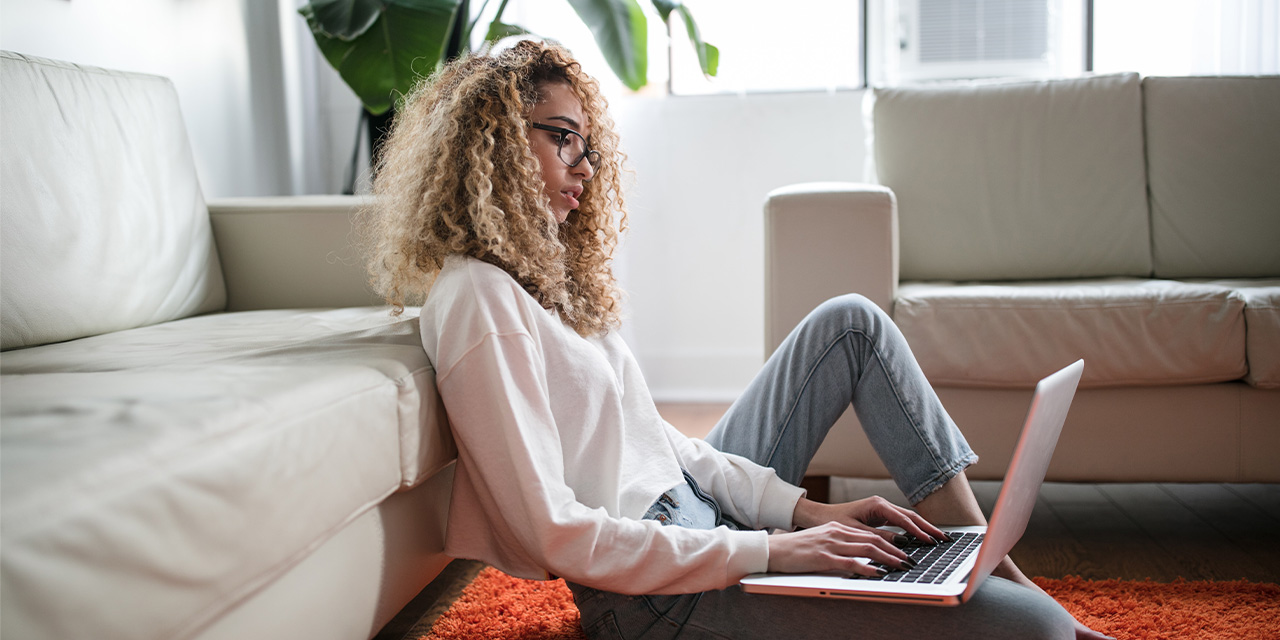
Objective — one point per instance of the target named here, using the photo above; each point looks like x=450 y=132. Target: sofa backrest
x=1213 y=159
x=102 y=223
x=1021 y=180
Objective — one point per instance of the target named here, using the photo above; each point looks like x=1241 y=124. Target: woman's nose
x=584 y=170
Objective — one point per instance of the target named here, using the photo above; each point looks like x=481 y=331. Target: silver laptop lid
x=1026 y=472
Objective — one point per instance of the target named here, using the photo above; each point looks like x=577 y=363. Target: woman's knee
x=853 y=310
x=1021 y=612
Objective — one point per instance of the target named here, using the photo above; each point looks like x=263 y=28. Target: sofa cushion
x=165 y=472
x=1129 y=332
x=1009 y=181
x=104 y=224
x=1213 y=153
x=1262 y=327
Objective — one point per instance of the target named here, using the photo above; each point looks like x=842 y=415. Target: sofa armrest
x=290 y=252
x=823 y=240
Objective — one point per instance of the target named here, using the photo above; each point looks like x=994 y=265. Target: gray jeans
x=846 y=351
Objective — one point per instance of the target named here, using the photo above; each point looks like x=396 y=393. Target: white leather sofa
x=1017 y=226
x=205 y=430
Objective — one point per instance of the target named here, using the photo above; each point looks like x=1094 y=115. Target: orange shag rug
x=496 y=605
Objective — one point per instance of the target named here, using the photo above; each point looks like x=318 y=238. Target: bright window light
x=1186 y=37
x=808 y=45
x=764 y=46
x=772 y=46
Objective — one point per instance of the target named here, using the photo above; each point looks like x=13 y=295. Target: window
x=777 y=46
x=807 y=45
x=928 y=40
x=1186 y=37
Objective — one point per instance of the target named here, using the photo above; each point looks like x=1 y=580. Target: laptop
x=950 y=573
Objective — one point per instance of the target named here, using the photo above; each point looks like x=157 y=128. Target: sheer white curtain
x=321 y=114
x=1187 y=37
x=1248 y=38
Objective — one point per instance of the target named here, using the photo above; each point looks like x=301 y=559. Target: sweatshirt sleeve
x=496 y=397
x=752 y=494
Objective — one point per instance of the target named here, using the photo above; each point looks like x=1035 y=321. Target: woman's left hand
x=868 y=514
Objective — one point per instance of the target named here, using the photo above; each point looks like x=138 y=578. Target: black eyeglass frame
x=592 y=156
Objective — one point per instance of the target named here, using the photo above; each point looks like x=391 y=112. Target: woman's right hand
x=833 y=547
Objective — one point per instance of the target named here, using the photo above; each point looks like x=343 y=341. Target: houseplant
x=382 y=47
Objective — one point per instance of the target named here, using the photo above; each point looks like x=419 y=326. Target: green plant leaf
x=500 y=30
x=344 y=19
x=665 y=7
x=708 y=55
x=403 y=43
x=621 y=31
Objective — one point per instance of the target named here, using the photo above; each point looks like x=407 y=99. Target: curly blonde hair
x=457 y=176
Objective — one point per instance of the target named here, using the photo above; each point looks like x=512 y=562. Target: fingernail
x=908 y=564
x=882 y=572
x=901 y=540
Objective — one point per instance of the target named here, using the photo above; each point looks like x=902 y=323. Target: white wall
x=222 y=55
x=693 y=262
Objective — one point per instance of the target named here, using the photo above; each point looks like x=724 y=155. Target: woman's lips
x=571 y=195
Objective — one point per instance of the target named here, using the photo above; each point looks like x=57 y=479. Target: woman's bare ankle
x=1010 y=571
x=952 y=504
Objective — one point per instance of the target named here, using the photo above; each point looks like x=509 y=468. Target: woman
x=496 y=198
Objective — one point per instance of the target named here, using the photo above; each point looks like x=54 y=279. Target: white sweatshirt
x=561 y=451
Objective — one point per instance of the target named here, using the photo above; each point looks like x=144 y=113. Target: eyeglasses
x=572 y=147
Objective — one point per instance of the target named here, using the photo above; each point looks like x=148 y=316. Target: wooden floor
x=1097 y=531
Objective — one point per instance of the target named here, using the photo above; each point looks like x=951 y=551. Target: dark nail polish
x=882 y=572
x=901 y=540
x=908 y=564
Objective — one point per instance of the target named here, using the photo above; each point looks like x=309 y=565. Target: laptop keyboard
x=934 y=563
